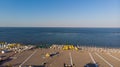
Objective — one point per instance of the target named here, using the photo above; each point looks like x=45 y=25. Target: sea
x=96 y=37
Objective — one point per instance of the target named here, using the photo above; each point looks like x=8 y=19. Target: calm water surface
x=107 y=37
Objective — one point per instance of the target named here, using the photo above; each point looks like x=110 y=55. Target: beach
x=103 y=57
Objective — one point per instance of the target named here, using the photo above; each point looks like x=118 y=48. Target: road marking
x=92 y=58
x=71 y=61
x=28 y=58
x=104 y=60
x=114 y=57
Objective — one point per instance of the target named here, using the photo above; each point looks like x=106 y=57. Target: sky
x=59 y=13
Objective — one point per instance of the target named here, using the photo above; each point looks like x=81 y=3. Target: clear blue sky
x=59 y=13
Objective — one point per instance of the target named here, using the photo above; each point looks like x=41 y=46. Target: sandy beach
x=76 y=58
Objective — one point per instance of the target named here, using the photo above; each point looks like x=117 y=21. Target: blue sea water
x=101 y=37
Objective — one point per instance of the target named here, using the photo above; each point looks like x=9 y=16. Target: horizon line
x=52 y=27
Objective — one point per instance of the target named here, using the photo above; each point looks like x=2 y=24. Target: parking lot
x=69 y=57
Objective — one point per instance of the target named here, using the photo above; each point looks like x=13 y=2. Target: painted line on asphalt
x=104 y=60
x=28 y=58
x=92 y=58
x=71 y=61
x=114 y=57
